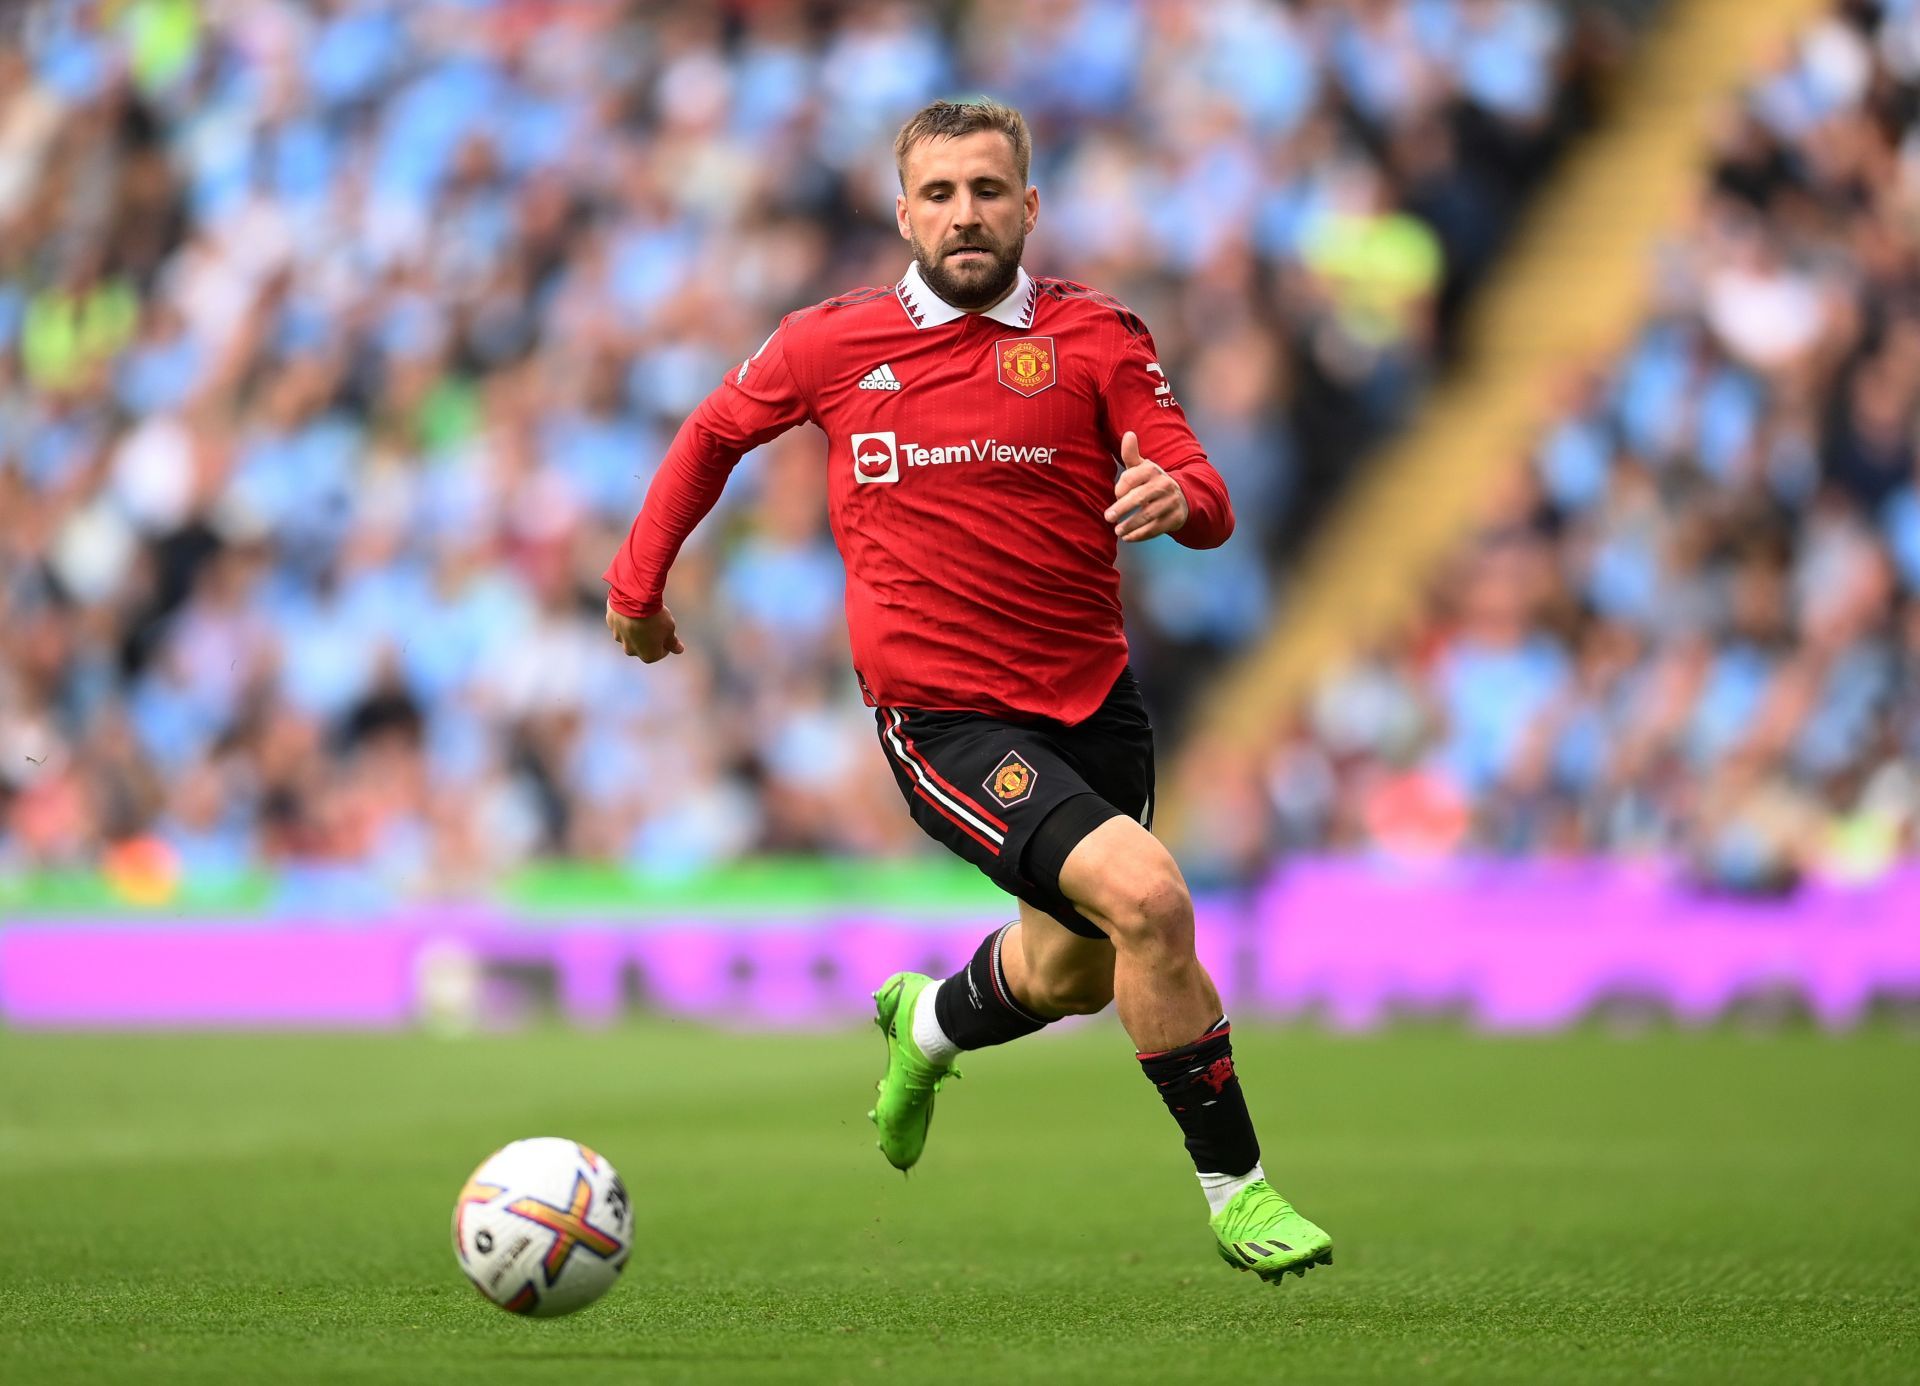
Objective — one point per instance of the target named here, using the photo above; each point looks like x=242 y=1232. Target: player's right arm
x=759 y=400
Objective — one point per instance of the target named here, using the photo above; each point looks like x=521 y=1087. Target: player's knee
x=1149 y=907
x=1079 y=993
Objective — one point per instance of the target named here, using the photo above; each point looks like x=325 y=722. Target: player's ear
x=900 y=216
x=1033 y=208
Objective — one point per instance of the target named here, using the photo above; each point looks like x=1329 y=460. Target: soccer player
x=991 y=439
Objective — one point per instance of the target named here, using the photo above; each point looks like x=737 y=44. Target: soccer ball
x=543 y=1227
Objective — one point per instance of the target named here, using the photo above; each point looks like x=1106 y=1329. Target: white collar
x=928 y=309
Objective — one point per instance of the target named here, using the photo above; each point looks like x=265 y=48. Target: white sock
x=927 y=1034
x=1220 y=1188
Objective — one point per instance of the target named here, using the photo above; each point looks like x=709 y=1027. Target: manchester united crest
x=1025 y=364
x=1012 y=780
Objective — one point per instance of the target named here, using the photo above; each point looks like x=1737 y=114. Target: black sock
x=975 y=1007
x=1203 y=1093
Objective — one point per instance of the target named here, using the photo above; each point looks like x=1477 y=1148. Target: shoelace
x=1265 y=1204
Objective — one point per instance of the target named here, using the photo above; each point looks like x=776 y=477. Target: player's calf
x=1055 y=970
x=1122 y=877
x=977 y=1007
x=1068 y=994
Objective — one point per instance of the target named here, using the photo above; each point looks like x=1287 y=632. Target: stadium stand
x=340 y=340
x=1689 y=629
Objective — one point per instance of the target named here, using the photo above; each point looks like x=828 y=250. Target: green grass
x=271 y=1210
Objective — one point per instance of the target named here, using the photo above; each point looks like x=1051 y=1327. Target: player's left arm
x=1166 y=485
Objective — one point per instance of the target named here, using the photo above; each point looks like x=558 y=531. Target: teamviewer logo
x=875 y=458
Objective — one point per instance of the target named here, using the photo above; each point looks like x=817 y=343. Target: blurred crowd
x=1691 y=630
x=339 y=339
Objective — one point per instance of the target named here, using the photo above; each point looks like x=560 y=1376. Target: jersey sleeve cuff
x=637 y=610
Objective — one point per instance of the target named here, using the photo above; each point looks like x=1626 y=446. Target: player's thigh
x=1124 y=879
x=1000 y=795
x=1066 y=971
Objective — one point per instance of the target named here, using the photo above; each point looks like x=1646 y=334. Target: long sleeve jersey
x=971 y=459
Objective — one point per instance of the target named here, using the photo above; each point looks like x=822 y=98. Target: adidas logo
x=880 y=378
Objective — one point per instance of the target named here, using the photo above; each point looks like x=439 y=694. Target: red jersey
x=971 y=459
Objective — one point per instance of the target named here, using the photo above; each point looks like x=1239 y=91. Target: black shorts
x=1014 y=798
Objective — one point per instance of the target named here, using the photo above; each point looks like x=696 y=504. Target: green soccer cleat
x=1260 y=1232
x=905 y=1108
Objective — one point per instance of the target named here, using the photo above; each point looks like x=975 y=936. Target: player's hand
x=1147 y=501
x=647 y=638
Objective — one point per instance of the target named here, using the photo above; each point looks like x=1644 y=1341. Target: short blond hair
x=946 y=120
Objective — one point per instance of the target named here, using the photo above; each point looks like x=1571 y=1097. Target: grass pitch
x=1682 y=1207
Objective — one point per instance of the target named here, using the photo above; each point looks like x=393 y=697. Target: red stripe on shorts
x=940 y=779
x=955 y=819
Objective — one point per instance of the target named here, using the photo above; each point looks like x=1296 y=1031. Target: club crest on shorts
x=1012 y=780
x=1025 y=364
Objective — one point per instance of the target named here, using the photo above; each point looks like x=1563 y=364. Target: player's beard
x=972 y=283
